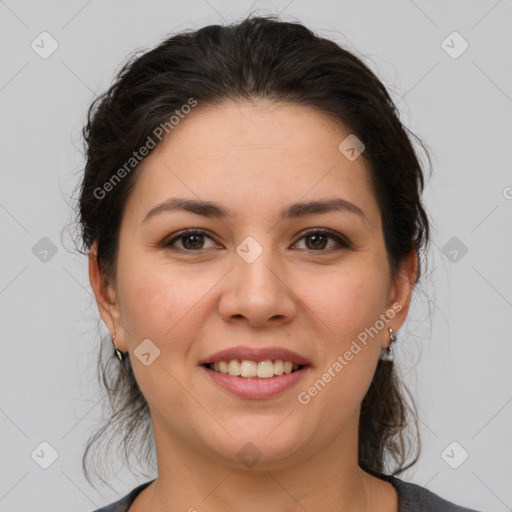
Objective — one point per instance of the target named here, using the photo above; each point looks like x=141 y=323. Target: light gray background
x=457 y=366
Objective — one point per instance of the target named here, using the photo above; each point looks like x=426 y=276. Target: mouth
x=248 y=369
x=256 y=372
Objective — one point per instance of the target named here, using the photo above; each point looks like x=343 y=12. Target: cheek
x=349 y=300
x=162 y=305
x=152 y=297
x=167 y=304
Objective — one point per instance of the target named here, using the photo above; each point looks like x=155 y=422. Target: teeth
x=265 y=369
x=234 y=367
x=261 y=369
x=248 y=369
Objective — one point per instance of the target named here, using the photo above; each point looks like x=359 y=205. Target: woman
x=251 y=207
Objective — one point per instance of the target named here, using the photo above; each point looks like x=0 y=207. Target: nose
x=257 y=293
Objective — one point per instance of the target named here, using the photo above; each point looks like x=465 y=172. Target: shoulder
x=124 y=503
x=414 y=498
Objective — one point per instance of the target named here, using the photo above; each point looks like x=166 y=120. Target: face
x=260 y=271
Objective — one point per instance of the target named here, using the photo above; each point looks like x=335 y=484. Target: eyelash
x=341 y=241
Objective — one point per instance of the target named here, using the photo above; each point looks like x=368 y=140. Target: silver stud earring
x=386 y=354
x=117 y=352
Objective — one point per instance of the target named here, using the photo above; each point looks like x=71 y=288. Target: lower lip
x=248 y=387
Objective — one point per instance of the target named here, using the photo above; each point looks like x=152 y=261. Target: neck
x=329 y=480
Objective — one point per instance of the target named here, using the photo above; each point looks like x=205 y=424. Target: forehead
x=256 y=152
x=261 y=130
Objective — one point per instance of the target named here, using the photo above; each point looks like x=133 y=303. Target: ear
x=401 y=290
x=106 y=298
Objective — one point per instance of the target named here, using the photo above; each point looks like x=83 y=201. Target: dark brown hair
x=258 y=58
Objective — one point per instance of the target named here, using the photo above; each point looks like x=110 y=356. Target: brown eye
x=192 y=241
x=318 y=241
x=189 y=240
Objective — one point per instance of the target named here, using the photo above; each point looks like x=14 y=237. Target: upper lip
x=255 y=354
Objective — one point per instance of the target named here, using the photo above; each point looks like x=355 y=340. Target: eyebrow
x=215 y=210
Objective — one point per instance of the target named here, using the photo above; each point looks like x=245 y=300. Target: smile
x=249 y=369
x=256 y=379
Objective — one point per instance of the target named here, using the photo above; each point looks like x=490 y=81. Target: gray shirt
x=411 y=498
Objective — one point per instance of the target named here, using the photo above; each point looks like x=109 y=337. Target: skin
x=254 y=158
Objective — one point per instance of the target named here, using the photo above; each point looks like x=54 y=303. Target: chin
x=264 y=443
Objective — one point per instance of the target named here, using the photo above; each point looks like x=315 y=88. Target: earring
x=385 y=353
x=117 y=352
